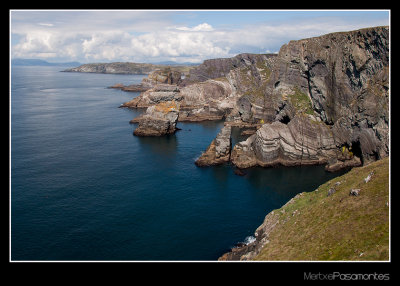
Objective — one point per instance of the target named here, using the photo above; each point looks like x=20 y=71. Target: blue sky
x=171 y=35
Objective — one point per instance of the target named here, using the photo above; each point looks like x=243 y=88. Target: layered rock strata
x=217 y=68
x=345 y=76
x=209 y=100
x=162 y=77
x=158 y=120
x=315 y=99
x=341 y=79
x=155 y=95
x=303 y=141
x=218 y=152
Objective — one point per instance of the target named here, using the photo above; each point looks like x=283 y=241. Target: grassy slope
x=336 y=227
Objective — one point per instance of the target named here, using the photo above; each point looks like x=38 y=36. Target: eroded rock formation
x=219 y=150
x=303 y=141
x=158 y=120
x=322 y=100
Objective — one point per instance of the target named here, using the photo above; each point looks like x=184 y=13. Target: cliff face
x=346 y=76
x=216 y=68
x=325 y=99
x=339 y=79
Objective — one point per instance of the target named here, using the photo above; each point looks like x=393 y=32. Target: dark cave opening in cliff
x=356 y=149
x=285 y=119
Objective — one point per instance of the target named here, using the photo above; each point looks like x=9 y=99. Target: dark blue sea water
x=84 y=188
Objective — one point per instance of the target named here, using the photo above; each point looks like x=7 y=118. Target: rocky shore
x=321 y=100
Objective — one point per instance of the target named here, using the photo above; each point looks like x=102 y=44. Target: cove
x=83 y=188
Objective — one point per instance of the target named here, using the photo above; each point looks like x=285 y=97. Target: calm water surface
x=84 y=188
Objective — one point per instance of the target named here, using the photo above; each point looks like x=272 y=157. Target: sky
x=150 y=36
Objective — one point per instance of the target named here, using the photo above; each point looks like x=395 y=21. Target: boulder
x=354 y=192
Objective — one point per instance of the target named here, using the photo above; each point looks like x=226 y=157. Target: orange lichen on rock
x=167 y=106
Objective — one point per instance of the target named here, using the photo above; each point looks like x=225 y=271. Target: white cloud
x=201 y=27
x=144 y=36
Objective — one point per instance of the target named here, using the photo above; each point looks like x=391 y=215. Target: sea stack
x=219 y=151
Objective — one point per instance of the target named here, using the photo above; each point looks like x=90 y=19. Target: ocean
x=84 y=188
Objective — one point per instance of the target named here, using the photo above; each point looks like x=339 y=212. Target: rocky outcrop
x=158 y=120
x=209 y=100
x=341 y=79
x=314 y=98
x=219 y=150
x=250 y=250
x=158 y=93
x=165 y=76
x=159 y=79
x=217 y=68
x=303 y=141
x=345 y=76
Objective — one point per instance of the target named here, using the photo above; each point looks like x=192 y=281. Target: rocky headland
x=344 y=219
x=126 y=68
x=321 y=100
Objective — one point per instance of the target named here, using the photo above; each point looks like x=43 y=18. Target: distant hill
x=37 y=62
x=126 y=68
x=172 y=63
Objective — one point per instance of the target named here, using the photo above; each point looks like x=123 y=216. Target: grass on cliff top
x=336 y=227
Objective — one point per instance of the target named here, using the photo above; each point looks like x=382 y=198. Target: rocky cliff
x=321 y=100
x=345 y=75
x=217 y=68
x=346 y=218
x=334 y=88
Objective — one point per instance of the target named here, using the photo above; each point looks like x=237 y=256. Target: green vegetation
x=338 y=226
x=264 y=70
x=255 y=89
x=301 y=102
